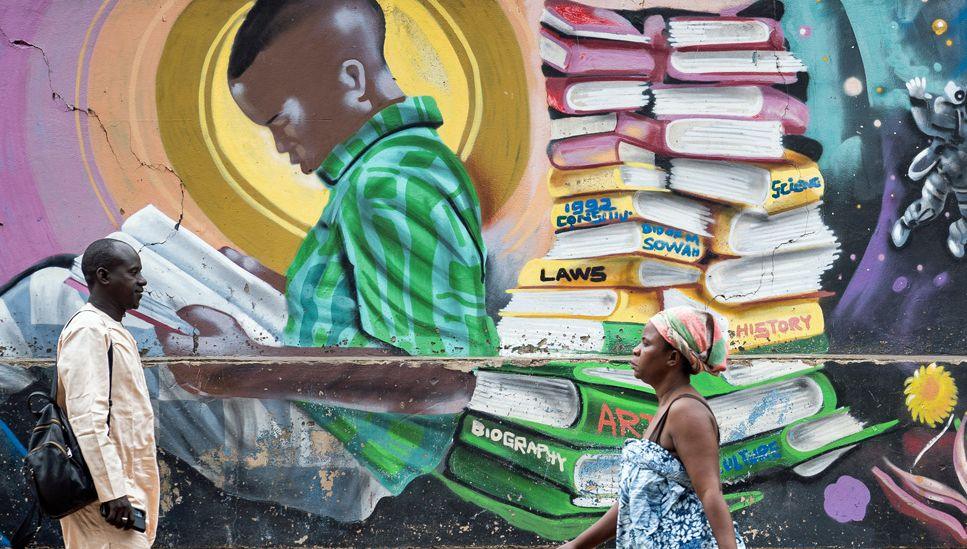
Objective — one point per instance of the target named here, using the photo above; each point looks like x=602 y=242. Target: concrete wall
x=118 y=120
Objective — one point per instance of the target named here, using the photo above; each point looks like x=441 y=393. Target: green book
x=529 y=502
x=600 y=404
x=593 y=472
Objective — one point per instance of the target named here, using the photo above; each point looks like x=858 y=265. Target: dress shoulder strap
x=656 y=434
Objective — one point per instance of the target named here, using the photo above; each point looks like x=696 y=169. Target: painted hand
x=217 y=334
x=253 y=266
x=918 y=88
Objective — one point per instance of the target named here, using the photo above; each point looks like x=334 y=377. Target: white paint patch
x=52 y=301
x=12 y=342
x=293 y=110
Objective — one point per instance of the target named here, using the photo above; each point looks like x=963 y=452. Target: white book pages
x=741 y=61
x=655 y=273
x=742 y=139
x=813 y=435
x=170 y=289
x=594 y=303
x=546 y=400
x=708 y=101
x=819 y=464
x=675 y=211
x=207 y=265
x=596 y=241
x=728 y=182
x=619 y=375
x=597 y=475
x=769 y=276
x=599 y=95
x=739 y=413
x=684 y=33
x=756 y=371
x=544 y=336
x=628 y=152
x=641 y=176
x=571 y=126
x=552 y=52
x=753 y=233
x=151 y=306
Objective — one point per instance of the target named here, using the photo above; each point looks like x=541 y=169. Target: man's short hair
x=270 y=18
x=101 y=253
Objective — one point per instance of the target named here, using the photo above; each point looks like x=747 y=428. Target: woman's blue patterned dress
x=657 y=506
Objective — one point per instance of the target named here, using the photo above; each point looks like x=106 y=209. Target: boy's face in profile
x=294 y=88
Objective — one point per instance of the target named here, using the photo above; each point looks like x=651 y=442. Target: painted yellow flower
x=931 y=394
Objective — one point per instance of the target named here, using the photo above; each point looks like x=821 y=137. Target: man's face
x=293 y=88
x=125 y=282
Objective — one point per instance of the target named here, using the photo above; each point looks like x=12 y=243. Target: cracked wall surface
x=460 y=346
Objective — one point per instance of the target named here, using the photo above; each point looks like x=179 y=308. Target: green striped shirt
x=396 y=259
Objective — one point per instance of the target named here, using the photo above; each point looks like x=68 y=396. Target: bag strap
x=110 y=370
x=110 y=382
x=53 y=385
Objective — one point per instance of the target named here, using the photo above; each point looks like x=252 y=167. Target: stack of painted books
x=541 y=447
x=680 y=176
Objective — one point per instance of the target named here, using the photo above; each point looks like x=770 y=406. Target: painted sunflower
x=931 y=394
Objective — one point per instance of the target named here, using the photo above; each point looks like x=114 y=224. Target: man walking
x=110 y=414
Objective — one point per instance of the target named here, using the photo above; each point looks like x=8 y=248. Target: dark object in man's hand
x=120 y=514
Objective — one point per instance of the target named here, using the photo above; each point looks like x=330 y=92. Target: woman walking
x=669 y=492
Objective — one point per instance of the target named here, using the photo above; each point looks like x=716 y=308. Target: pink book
x=680 y=102
x=595 y=57
x=724 y=33
x=576 y=19
x=587 y=95
x=602 y=149
x=639 y=136
x=734 y=102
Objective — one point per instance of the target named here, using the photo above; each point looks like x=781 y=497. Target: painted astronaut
x=943 y=163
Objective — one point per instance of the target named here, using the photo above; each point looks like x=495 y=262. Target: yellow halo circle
x=457 y=54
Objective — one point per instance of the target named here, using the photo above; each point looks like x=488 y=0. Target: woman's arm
x=693 y=435
x=601 y=531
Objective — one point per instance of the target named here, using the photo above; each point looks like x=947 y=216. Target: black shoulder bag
x=54 y=466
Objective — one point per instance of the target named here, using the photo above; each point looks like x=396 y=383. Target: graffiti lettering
x=625 y=423
x=782 y=188
x=593 y=274
x=590 y=211
x=680 y=248
x=769 y=328
x=648 y=228
x=518 y=443
x=744 y=459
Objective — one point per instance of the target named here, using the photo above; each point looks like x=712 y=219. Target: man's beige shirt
x=122 y=457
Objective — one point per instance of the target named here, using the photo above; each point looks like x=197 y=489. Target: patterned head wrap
x=697 y=335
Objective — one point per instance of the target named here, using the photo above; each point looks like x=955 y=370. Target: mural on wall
x=519 y=184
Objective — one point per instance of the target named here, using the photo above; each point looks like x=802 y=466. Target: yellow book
x=768 y=188
x=793 y=184
x=645 y=238
x=630 y=176
x=603 y=304
x=651 y=205
x=757 y=325
x=749 y=232
x=616 y=271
